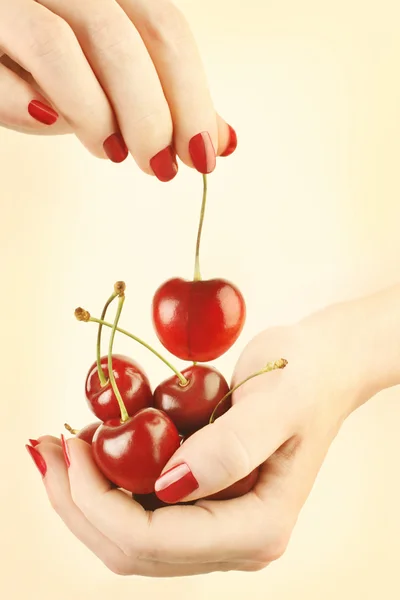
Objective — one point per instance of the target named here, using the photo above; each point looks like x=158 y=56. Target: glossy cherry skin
x=191 y=406
x=86 y=434
x=240 y=488
x=133 y=454
x=132 y=382
x=198 y=320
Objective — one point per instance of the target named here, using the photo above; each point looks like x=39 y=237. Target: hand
x=102 y=69
x=284 y=421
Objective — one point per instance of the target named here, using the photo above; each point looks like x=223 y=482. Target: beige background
x=306 y=212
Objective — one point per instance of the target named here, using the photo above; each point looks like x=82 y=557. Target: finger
x=43 y=44
x=226 y=451
x=173 y=50
x=227 y=138
x=24 y=109
x=58 y=490
x=113 y=45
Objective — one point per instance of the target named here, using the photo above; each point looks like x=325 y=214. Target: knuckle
x=104 y=30
x=118 y=566
x=50 y=37
x=167 y=24
x=235 y=459
x=274 y=549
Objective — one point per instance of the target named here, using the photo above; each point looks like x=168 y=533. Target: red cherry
x=198 y=320
x=133 y=453
x=191 y=406
x=240 y=488
x=132 y=383
x=86 y=434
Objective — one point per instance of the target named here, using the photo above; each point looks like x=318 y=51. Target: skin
x=284 y=421
x=77 y=57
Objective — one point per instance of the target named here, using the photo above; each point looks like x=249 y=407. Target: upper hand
x=110 y=67
x=284 y=421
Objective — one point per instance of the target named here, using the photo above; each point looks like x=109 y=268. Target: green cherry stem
x=84 y=315
x=124 y=412
x=197 y=274
x=271 y=366
x=70 y=429
x=119 y=288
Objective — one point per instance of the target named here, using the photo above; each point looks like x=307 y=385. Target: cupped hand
x=123 y=76
x=283 y=421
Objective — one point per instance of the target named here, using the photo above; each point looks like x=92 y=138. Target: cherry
x=191 y=406
x=86 y=433
x=198 y=320
x=132 y=383
x=133 y=453
x=238 y=489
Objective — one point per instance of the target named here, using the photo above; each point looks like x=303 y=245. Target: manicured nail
x=66 y=451
x=176 y=484
x=232 y=144
x=164 y=164
x=34 y=443
x=115 y=148
x=202 y=152
x=37 y=459
x=42 y=113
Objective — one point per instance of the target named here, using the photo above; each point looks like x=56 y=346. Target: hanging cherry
x=198 y=320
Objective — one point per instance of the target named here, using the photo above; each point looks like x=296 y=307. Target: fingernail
x=176 y=484
x=115 y=148
x=232 y=144
x=164 y=164
x=66 y=451
x=34 y=443
x=37 y=459
x=42 y=113
x=202 y=152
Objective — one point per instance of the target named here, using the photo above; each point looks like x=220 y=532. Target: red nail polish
x=176 y=484
x=164 y=164
x=37 y=459
x=202 y=152
x=34 y=443
x=42 y=113
x=65 y=451
x=232 y=143
x=115 y=148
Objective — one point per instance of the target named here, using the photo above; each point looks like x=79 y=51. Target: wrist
x=360 y=345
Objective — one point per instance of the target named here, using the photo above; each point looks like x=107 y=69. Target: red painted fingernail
x=37 y=459
x=115 y=148
x=202 y=152
x=164 y=164
x=42 y=113
x=176 y=484
x=232 y=144
x=66 y=451
x=34 y=443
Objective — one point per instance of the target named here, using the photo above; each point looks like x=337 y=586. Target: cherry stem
x=69 y=428
x=197 y=274
x=271 y=366
x=182 y=379
x=122 y=407
x=103 y=379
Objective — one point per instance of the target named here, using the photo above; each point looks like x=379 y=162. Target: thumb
x=226 y=451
